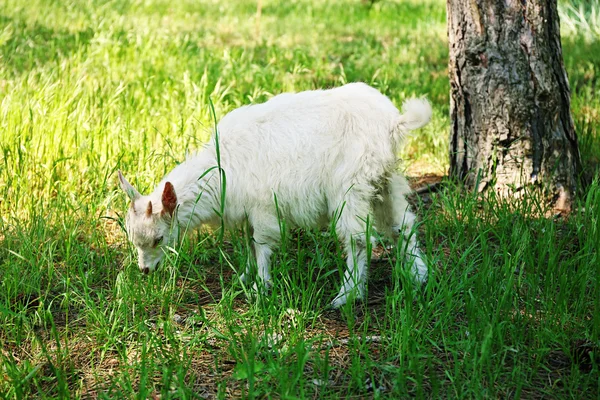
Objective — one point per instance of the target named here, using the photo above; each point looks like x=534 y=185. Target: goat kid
x=308 y=158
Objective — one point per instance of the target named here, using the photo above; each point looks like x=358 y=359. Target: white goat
x=307 y=158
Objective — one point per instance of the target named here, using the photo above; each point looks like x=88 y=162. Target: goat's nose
x=146 y=270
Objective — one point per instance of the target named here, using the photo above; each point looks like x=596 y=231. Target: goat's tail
x=416 y=113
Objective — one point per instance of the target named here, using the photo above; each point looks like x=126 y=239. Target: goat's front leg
x=251 y=257
x=266 y=235
x=245 y=276
x=263 y=262
x=261 y=253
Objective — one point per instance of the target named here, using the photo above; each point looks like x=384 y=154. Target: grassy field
x=91 y=86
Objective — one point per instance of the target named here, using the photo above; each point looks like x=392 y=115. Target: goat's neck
x=197 y=191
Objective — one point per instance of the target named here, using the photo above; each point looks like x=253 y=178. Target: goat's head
x=149 y=223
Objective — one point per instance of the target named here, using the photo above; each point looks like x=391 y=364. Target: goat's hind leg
x=400 y=220
x=351 y=228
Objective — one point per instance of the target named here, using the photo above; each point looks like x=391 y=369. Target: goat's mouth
x=148 y=270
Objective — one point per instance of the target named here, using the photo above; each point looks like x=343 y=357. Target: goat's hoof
x=259 y=291
x=262 y=288
x=420 y=272
x=345 y=295
x=257 y=298
x=338 y=302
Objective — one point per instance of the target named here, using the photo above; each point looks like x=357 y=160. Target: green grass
x=89 y=87
x=581 y=18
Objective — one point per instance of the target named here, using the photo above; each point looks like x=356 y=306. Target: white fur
x=321 y=154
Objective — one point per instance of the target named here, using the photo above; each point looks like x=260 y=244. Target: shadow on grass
x=30 y=46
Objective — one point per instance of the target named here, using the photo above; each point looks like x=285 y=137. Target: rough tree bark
x=510 y=99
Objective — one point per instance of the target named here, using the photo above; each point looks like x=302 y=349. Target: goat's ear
x=132 y=193
x=169 y=199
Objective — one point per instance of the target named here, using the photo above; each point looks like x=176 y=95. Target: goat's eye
x=157 y=241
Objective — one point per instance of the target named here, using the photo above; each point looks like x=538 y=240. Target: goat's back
x=308 y=148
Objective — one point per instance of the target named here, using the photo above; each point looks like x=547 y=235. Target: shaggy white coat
x=322 y=155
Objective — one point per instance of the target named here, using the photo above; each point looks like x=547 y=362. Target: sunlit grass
x=580 y=18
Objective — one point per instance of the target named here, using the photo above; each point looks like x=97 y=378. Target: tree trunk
x=510 y=99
